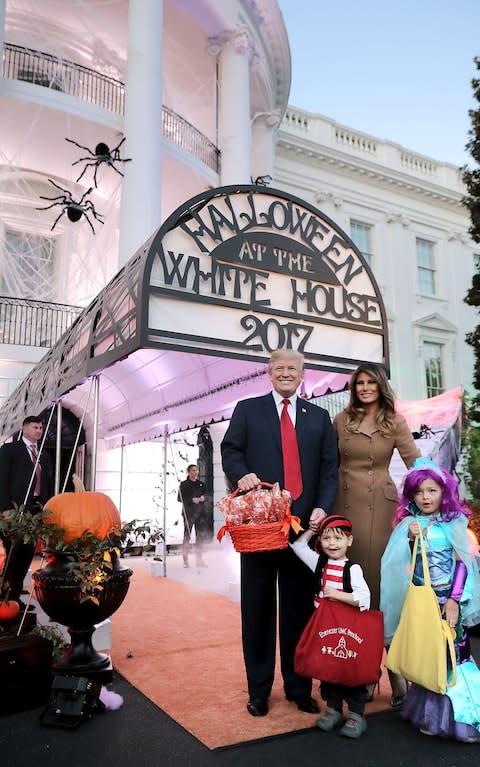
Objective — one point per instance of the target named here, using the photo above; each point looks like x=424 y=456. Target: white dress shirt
x=292 y=407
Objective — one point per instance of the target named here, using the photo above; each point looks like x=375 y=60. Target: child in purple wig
x=430 y=503
x=451 y=506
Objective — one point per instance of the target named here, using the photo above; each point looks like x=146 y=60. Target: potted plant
x=19 y=525
x=83 y=582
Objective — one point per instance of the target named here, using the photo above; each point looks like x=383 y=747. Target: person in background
x=430 y=504
x=368 y=431
x=191 y=494
x=20 y=485
x=282 y=438
x=341 y=580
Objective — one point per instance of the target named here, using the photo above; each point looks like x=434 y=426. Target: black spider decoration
x=425 y=431
x=261 y=180
x=73 y=208
x=102 y=154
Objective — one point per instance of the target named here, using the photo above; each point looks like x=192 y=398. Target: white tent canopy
x=184 y=329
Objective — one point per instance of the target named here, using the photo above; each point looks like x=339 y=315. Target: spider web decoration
x=196 y=99
x=68 y=265
x=89 y=34
x=28 y=265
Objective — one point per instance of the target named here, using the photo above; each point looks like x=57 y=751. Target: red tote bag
x=341 y=644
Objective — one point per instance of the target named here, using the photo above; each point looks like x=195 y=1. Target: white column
x=264 y=137
x=141 y=192
x=2 y=29
x=235 y=141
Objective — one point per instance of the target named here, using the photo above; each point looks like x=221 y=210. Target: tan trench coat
x=366 y=492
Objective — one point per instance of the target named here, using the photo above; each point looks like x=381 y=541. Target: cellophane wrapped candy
x=256 y=507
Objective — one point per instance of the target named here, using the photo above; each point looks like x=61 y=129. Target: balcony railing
x=189 y=138
x=61 y=75
x=91 y=86
x=34 y=323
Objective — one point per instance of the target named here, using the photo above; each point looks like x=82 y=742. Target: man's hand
x=248 y=482
x=315 y=518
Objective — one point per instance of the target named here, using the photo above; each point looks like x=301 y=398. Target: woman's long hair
x=451 y=506
x=384 y=417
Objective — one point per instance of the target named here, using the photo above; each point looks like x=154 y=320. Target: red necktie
x=292 y=472
x=38 y=470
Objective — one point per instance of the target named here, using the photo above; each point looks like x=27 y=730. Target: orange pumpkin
x=3 y=555
x=9 y=609
x=80 y=511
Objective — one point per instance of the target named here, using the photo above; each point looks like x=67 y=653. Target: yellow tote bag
x=422 y=648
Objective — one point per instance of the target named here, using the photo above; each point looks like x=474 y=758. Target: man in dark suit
x=252 y=452
x=191 y=494
x=21 y=484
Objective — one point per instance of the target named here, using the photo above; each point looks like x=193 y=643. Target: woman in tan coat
x=368 y=431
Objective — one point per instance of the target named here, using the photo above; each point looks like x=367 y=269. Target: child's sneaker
x=354 y=727
x=329 y=719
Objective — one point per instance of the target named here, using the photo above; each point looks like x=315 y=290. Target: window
x=361 y=236
x=28 y=266
x=425 y=267
x=432 y=355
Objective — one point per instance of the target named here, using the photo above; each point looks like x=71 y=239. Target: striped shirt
x=333 y=574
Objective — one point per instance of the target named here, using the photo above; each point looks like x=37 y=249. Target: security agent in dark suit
x=252 y=452
x=16 y=468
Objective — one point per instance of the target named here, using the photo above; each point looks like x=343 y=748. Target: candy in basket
x=259 y=520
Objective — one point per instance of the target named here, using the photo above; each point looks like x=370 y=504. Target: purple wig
x=451 y=506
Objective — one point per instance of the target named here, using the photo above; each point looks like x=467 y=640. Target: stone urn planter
x=83 y=582
x=59 y=593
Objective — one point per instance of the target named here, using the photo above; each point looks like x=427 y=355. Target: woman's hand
x=450 y=612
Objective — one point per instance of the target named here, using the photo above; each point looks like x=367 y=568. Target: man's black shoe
x=306 y=704
x=257 y=706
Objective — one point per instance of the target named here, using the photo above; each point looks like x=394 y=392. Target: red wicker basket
x=267 y=536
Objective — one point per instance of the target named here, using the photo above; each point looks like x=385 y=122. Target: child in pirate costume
x=341 y=580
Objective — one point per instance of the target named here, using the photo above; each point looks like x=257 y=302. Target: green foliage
x=53 y=634
x=93 y=555
x=471 y=447
x=471 y=179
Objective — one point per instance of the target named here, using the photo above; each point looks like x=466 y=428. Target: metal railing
x=88 y=85
x=34 y=323
x=60 y=75
x=184 y=134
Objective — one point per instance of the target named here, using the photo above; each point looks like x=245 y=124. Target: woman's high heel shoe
x=399 y=689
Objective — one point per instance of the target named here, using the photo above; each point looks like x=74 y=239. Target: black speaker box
x=25 y=672
x=73 y=699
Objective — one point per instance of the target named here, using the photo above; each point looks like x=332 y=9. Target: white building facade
x=114 y=114
x=404 y=212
